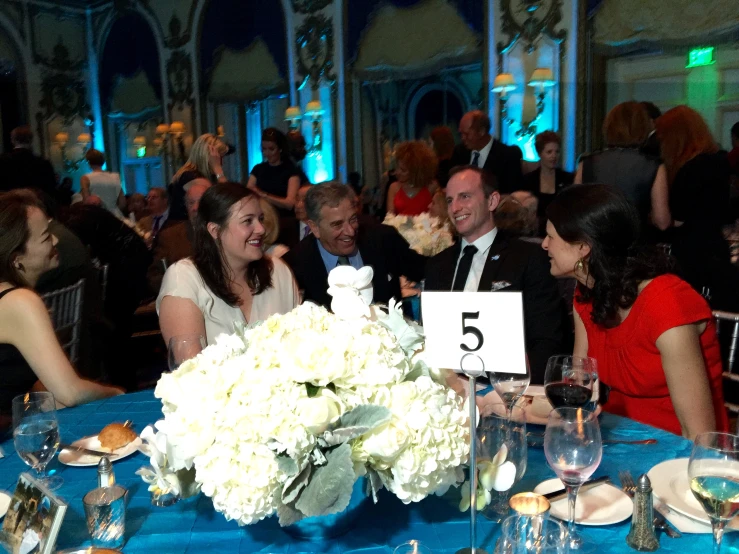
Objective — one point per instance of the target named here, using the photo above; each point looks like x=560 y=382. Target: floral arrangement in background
x=425 y=234
x=284 y=416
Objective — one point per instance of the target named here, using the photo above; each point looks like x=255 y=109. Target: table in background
x=193 y=526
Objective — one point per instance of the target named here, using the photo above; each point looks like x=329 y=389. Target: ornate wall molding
x=528 y=22
x=179 y=79
x=314 y=42
x=65 y=96
x=60 y=58
x=310 y=6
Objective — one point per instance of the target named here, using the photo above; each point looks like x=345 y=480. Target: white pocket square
x=499 y=285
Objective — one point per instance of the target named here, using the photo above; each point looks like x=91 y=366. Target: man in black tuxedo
x=486 y=259
x=338 y=239
x=481 y=150
x=21 y=168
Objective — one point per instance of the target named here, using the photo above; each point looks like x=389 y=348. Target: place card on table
x=33 y=519
x=486 y=324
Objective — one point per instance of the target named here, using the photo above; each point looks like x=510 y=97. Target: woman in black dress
x=548 y=179
x=276 y=179
x=700 y=175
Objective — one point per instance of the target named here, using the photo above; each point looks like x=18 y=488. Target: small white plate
x=670 y=484
x=4 y=503
x=601 y=505
x=73 y=458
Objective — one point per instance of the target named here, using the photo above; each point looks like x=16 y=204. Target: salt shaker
x=106 y=477
x=642 y=536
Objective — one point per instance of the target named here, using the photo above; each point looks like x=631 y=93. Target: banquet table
x=193 y=526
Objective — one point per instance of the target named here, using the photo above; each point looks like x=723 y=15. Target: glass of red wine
x=569 y=382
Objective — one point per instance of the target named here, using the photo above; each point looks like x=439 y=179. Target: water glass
x=511 y=386
x=532 y=535
x=714 y=479
x=573 y=447
x=36 y=433
x=183 y=348
x=571 y=381
x=105 y=512
x=501 y=440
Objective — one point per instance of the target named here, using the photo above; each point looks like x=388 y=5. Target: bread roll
x=115 y=436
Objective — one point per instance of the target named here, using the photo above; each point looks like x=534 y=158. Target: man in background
x=651 y=145
x=158 y=204
x=21 y=168
x=295 y=229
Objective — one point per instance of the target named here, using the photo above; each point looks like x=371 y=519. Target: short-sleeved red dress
x=629 y=360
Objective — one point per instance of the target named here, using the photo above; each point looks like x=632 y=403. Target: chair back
x=102 y=271
x=65 y=310
x=727 y=327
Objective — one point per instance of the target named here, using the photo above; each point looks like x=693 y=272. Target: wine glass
x=714 y=479
x=36 y=433
x=511 y=386
x=532 y=535
x=183 y=348
x=569 y=382
x=501 y=439
x=573 y=448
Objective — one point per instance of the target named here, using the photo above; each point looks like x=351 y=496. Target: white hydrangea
x=244 y=400
x=425 y=234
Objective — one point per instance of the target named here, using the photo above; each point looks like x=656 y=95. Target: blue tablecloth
x=192 y=525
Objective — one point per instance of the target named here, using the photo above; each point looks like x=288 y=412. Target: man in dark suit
x=295 y=229
x=481 y=150
x=651 y=145
x=486 y=259
x=21 y=168
x=338 y=239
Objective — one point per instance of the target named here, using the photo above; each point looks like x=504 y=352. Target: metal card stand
x=473 y=374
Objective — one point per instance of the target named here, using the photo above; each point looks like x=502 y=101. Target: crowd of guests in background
x=639 y=251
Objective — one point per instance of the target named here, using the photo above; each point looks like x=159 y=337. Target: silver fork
x=629 y=487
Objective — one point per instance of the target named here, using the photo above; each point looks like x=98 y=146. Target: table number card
x=487 y=324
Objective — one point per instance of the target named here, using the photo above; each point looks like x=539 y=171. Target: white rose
x=385 y=443
x=318 y=412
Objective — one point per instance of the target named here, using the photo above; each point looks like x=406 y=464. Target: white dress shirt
x=483 y=245
x=483 y=154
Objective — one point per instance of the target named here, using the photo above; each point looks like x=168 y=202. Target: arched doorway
x=434 y=105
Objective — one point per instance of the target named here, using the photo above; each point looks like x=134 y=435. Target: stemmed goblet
x=36 y=433
x=714 y=479
x=569 y=381
x=511 y=386
x=573 y=447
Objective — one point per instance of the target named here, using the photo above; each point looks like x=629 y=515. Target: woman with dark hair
x=276 y=179
x=623 y=164
x=30 y=354
x=548 y=179
x=653 y=336
x=228 y=279
x=699 y=175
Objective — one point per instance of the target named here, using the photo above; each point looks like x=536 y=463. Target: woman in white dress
x=229 y=279
x=104 y=184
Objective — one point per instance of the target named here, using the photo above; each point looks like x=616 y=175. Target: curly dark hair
x=603 y=218
x=208 y=256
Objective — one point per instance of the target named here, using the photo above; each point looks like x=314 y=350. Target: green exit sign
x=700 y=56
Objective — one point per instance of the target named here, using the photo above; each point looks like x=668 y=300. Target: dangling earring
x=579 y=266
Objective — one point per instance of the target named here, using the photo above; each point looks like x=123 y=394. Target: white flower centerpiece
x=285 y=416
x=425 y=234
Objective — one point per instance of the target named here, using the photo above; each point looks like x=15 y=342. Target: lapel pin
x=496 y=257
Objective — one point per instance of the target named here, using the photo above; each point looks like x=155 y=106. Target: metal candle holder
x=472 y=375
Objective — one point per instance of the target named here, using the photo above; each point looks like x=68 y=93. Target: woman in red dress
x=415 y=170
x=653 y=336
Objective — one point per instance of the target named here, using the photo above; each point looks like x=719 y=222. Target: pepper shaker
x=106 y=477
x=642 y=536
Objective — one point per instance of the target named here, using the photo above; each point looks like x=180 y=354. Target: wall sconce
x=314 y=111
x=163 y=142
x=541 y=79
x=62 y=140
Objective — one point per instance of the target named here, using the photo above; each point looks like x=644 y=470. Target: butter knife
x=74 y=448
x=562 y=493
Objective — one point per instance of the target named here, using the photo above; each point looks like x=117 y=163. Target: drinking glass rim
x=34 y=397
x=717 y=448
x=543 y=518
x=588 y=414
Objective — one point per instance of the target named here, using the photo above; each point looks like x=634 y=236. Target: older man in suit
x=158 y=203
x=486 y=259
x=338 y=239
x=480 y=149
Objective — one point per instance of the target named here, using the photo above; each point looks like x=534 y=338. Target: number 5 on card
x=487 y=324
